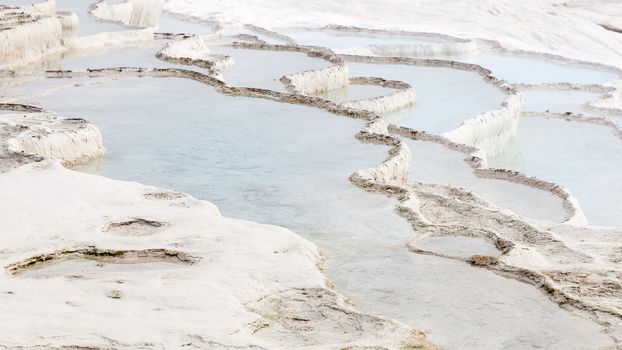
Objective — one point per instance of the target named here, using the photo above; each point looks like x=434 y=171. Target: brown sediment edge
x=102 y=255
x=20 y=107
x=537 y=279
x=611 y=28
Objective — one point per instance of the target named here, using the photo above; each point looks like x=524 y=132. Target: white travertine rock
x=145 y=13
x=27 y=42
x=490 y=131
x=127 y=264
x=318 y=80
x=135 y=13
x=385 y=104
x=109 y=39
x=70 y=141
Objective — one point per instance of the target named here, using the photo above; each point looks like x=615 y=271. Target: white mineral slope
x=318 y=80
x=135 y=13
x=610 y=102
x=47 y=7
x=195 y=51
x=68 y=20
x=68 y=140
x=27 y=38
x=385 y=104
x=120 y=12
x=100 y=263
x=109 y=39
x=490 y=131
x=146 y=13
x=535 y=25
x=425 y=49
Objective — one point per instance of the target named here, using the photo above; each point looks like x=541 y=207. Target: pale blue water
x=355 y=92
x=171 y=24
x=530 y=70
x=558 y=100
x=263 y=69
x=342 y=39
x=288 y=165
x=445 y=97
x=139 y=55
x=434 y=163
x=584 y=158
x=511 y=67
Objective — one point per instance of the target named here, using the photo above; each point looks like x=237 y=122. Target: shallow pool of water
x=288 y=165
x=584 y=158
x=435 y=163
x=558 y=100
x=529 y=69
x=445 y=97
x=263 y=69
x=355 y=92
x=141 y=55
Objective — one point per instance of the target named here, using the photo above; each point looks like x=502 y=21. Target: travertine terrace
x=96 y=263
